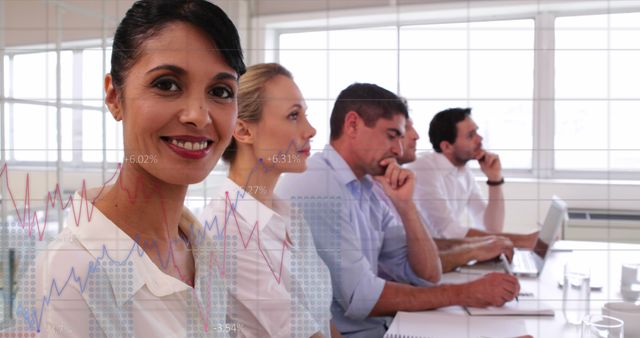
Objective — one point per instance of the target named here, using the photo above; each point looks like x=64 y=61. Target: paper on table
x=437 y=324
x=525 y=307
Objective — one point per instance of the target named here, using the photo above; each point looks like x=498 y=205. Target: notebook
x=523 y=307
x=446 y=324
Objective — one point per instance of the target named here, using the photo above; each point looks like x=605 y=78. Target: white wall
x=34 y=22
x=527 y=201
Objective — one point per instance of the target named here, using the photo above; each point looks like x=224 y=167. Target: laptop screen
x=551 y=227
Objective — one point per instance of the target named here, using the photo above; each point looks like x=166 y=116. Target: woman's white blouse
x=277 y=284
x=93 y=280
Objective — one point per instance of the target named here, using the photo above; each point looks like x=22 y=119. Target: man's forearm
x=448 y=243
x=421 y=249
x=526 y=241
x=402 y=297
x=518 y=240
x=457 y=256
x=494 y=214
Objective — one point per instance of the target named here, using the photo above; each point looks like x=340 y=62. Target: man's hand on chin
x=398 y=183
x=490 y=165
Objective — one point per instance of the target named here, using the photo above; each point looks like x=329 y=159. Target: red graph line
x=28 y=219
x=245 y=243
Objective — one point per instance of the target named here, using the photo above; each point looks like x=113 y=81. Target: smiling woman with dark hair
x=134 y=265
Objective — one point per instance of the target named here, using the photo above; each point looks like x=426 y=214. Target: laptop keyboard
x=523 y=261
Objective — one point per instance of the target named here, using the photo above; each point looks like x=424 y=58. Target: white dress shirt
x=447 y=196
x=277 y=284
x=93 y=280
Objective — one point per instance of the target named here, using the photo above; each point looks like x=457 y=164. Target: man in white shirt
x=446 y=190
x=355 y=233
x=453 y=252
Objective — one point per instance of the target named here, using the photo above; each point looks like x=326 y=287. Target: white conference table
x=605 y=259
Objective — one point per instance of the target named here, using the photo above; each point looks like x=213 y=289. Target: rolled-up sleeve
x=356 y=287
x=394 y=260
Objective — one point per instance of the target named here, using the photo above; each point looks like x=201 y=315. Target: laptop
x=530 y=262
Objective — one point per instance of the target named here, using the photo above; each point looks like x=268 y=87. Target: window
x=26 y=68
x=566 y=114
x=597 y=98
x=30 y=82
x=324 y=63
x=485 y=65
x=28 y=122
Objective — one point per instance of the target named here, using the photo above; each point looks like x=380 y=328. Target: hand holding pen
x=507 y=268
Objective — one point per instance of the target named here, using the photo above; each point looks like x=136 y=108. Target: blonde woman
x=277 y=284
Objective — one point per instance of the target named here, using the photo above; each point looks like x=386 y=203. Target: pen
x=507 y=268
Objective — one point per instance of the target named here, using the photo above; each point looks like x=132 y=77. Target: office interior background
x=554 y=86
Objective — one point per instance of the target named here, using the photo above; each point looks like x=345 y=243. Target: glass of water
x=576 y=292
x=599 y=326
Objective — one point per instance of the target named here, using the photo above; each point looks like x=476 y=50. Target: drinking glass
x=599 y=326
x=576 y=292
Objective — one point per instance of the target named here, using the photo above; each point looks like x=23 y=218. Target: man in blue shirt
x=355 y=233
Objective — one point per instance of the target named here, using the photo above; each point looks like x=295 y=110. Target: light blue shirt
x=356 y=236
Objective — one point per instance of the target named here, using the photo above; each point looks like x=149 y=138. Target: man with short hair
x=446 y=190
x=355 y=233
x=453 y=252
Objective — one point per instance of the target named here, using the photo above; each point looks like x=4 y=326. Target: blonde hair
x=250 y=97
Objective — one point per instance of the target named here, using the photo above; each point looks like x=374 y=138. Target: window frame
x=268 y=29
x=56 y=104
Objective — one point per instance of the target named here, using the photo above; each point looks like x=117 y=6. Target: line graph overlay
x=29 y=223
